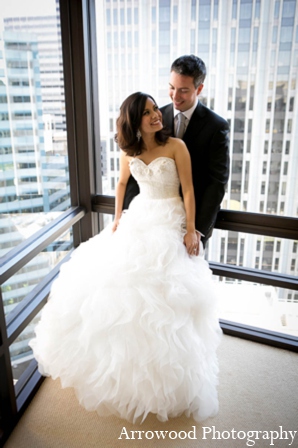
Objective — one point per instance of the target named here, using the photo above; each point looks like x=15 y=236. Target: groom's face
x=182 y=91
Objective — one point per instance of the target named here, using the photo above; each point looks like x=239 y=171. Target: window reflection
x=16 y=288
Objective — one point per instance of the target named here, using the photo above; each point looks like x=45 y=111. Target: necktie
x=180 y=125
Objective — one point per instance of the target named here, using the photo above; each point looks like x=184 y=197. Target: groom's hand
x=198 y=242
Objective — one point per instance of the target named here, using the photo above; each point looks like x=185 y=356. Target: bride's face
x=151 y=119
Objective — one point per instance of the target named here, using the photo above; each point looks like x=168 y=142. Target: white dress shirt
x=187 y=113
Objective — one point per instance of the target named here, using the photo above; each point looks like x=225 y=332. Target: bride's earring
x=139 y=135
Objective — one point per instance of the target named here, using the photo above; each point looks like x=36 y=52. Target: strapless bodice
x=157 y=180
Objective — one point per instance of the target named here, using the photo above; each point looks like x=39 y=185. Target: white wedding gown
x=131 y=321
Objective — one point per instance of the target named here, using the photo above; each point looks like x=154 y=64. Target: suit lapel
x=168 y=118
x=196 y=122
x=195 y=125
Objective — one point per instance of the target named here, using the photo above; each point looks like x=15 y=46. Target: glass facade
x=20 y=353
x=17 y=287
x=34 y=178
x=259 y=103
x=250 y=50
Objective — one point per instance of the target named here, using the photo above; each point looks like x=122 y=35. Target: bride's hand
x=191 y=242
x=115 y=225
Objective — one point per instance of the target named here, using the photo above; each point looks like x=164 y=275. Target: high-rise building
x=22 y=141
x=33 y=176
x=46 y=30
x=251 y=52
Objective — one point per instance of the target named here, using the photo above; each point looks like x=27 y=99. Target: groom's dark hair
x=190 y=65
x=129 y=121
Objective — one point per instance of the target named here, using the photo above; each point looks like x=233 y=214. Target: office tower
x=54 y=161
x=47 y=33
x=33 y=177
x=251 y=52
x=22 y=141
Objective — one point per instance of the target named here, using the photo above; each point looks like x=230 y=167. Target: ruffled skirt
x=131 y=322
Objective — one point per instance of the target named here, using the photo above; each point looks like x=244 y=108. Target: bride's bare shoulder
x=176 y=143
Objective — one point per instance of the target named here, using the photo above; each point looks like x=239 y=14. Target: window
x=282 y=208
x=285 y=170
x=33 y=156
x=35 y=190
x=262 y=134
x=234 y=9
x=115 y=17
x=121 y=71
x=267 y=125
x=175 y=14
x=154 y=14
x=108 y=15
x=263 y=187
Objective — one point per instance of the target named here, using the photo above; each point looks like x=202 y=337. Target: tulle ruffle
x=131 y=322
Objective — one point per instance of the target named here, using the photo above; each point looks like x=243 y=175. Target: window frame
x=77 y=20
x=78 y=32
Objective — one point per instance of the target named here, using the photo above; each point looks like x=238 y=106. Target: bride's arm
x=183 y=163
x=121 y=187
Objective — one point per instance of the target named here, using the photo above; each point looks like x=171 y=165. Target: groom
x=206 y=136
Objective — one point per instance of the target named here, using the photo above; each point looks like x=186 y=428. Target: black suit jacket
x=207 y=139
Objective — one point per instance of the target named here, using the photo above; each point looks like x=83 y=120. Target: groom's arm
x=132 y=189
x=218 y=175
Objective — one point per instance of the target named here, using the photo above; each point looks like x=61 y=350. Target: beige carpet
x=258 y=391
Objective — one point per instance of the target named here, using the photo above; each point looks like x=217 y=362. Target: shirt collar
x=188 y=113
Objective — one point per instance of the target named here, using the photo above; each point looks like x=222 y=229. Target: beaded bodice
x=157 y=180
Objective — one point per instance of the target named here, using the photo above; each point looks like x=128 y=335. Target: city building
x=33 y=176
x=251 y=52
x=54 y=162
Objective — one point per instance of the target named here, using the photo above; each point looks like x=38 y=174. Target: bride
x=131 y=321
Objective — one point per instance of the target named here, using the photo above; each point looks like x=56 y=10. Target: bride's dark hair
x=129 y=121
